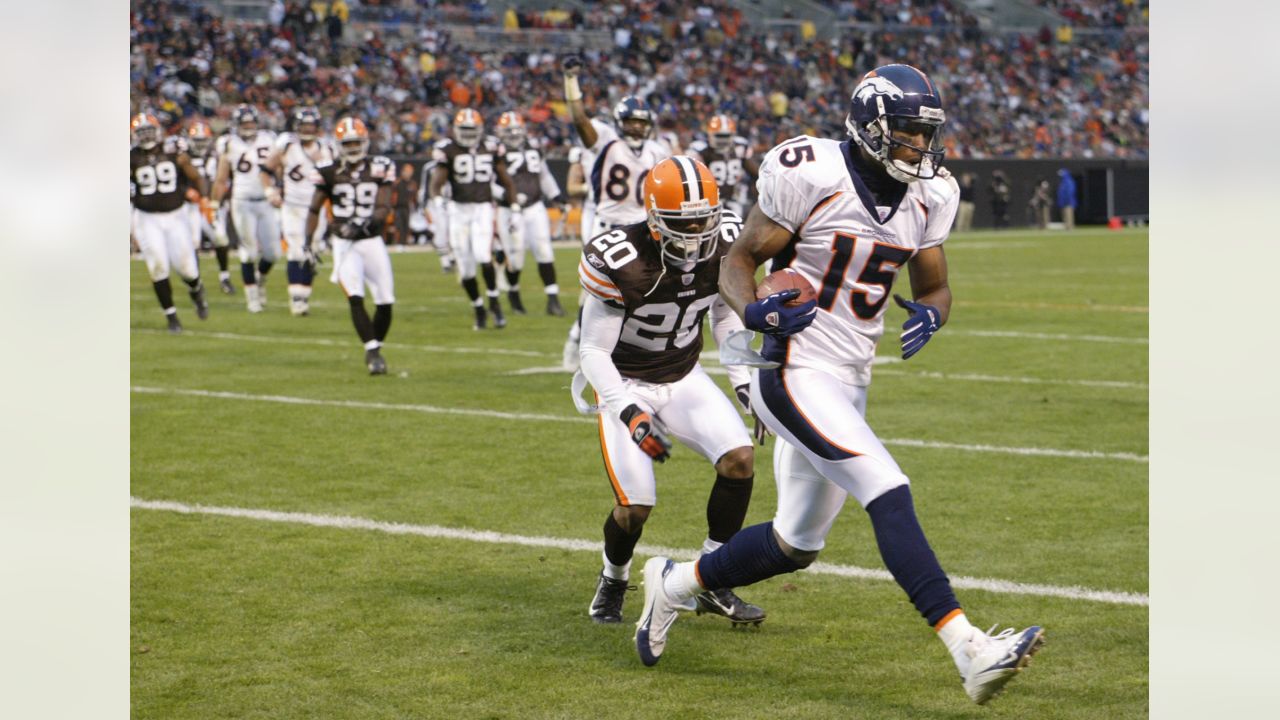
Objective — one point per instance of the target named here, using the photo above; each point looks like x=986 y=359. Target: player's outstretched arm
x=572 y=66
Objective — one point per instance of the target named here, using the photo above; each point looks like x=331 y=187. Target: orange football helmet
x=720 y=131
x=353 y=139
x=511 y=129
x=683 y=203
x=468 y=128
x=200 y=136
x=144 y=130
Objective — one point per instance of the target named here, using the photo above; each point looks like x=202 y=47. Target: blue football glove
x=771 y=315
x=918 y=328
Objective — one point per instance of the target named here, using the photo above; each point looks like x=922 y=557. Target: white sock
x=682 y=582
x=372 y=345
x=709 y=546
x=224 y=274
x=955 y=634
x=616 y=572
x=553 y=289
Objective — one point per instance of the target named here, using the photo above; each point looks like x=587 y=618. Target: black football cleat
x=373 y=360
x=553 y=306
x=482 y=318
x=517 y=305
x=606 y=606
x=495 y=307
x=175 y=327
x=726 y=604
x=202 y=306
x=226 y=287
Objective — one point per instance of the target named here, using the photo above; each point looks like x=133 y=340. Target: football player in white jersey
x=532 y=226
x=622 y=158
x=847 y=216
x=257 y=223
x=295 y=159
x=729 y=157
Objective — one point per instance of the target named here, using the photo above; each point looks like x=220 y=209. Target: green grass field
x=1025 y=423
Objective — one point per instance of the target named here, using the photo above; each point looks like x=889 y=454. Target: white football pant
x=470 y=235
x=692 y=410
x=166 y=242
x=293 y=225
x=531 y=229
x=824 y=452
x=258 y=226
x=364 y=262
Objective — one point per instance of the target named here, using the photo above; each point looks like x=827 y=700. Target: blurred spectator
x=1000 y=192
x=403 y=195
x=1007 y=94
x=1067 y=198
x=964 y=215
x=1039 y=204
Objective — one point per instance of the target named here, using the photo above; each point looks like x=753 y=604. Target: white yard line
x=1140 y=309
x=1051 y=336
x=435 y=410
x=973 y=377
x=487 y=536
x=352 y=343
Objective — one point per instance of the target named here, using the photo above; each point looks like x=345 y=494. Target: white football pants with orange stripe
x=364 y=262
x=692 y=410
x=470 y=235
x=293 y=225
x=824 y=452
x=165 y=241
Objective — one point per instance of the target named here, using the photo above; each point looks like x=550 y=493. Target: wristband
x=572 y=92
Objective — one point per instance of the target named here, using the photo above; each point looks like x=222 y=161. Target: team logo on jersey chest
x=687 y=278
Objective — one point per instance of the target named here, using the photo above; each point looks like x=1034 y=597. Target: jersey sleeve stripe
x=821 y=204
x=584 y=270
x=600 y=291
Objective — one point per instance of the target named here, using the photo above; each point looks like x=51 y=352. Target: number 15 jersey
x=846 y=246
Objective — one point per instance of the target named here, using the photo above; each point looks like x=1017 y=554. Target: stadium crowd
x=1009 y=94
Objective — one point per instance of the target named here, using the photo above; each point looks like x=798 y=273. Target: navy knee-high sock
x=751 y=555
x=907 y=554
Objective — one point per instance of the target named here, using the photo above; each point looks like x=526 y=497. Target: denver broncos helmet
x=306 y=123
x=631 y=108
x=245 y=120
x=902 y=99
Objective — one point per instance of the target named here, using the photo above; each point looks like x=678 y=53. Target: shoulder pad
x=283 y=140
x=698 y=146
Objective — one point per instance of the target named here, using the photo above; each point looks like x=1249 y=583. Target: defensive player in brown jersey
x=161 y=180
x=728 y=155
x=469 y=163
x=359 y=190
x=648 y=286
x=531 y=227
x=205 y=159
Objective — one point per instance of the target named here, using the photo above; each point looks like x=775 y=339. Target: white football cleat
x=994 y=660
x=252 y=298
x=571 y=359
x=658 y=613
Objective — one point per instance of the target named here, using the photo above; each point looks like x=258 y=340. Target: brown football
x=786 y=279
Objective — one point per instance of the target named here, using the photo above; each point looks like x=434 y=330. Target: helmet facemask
x=200 y=145
x=635 y=131
x=721 y=142
x=354 y=149
x=687 y=235
x=467 y=136
x=247 y=129
x=512 y=136
x=877 y=138
x=146 y=136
